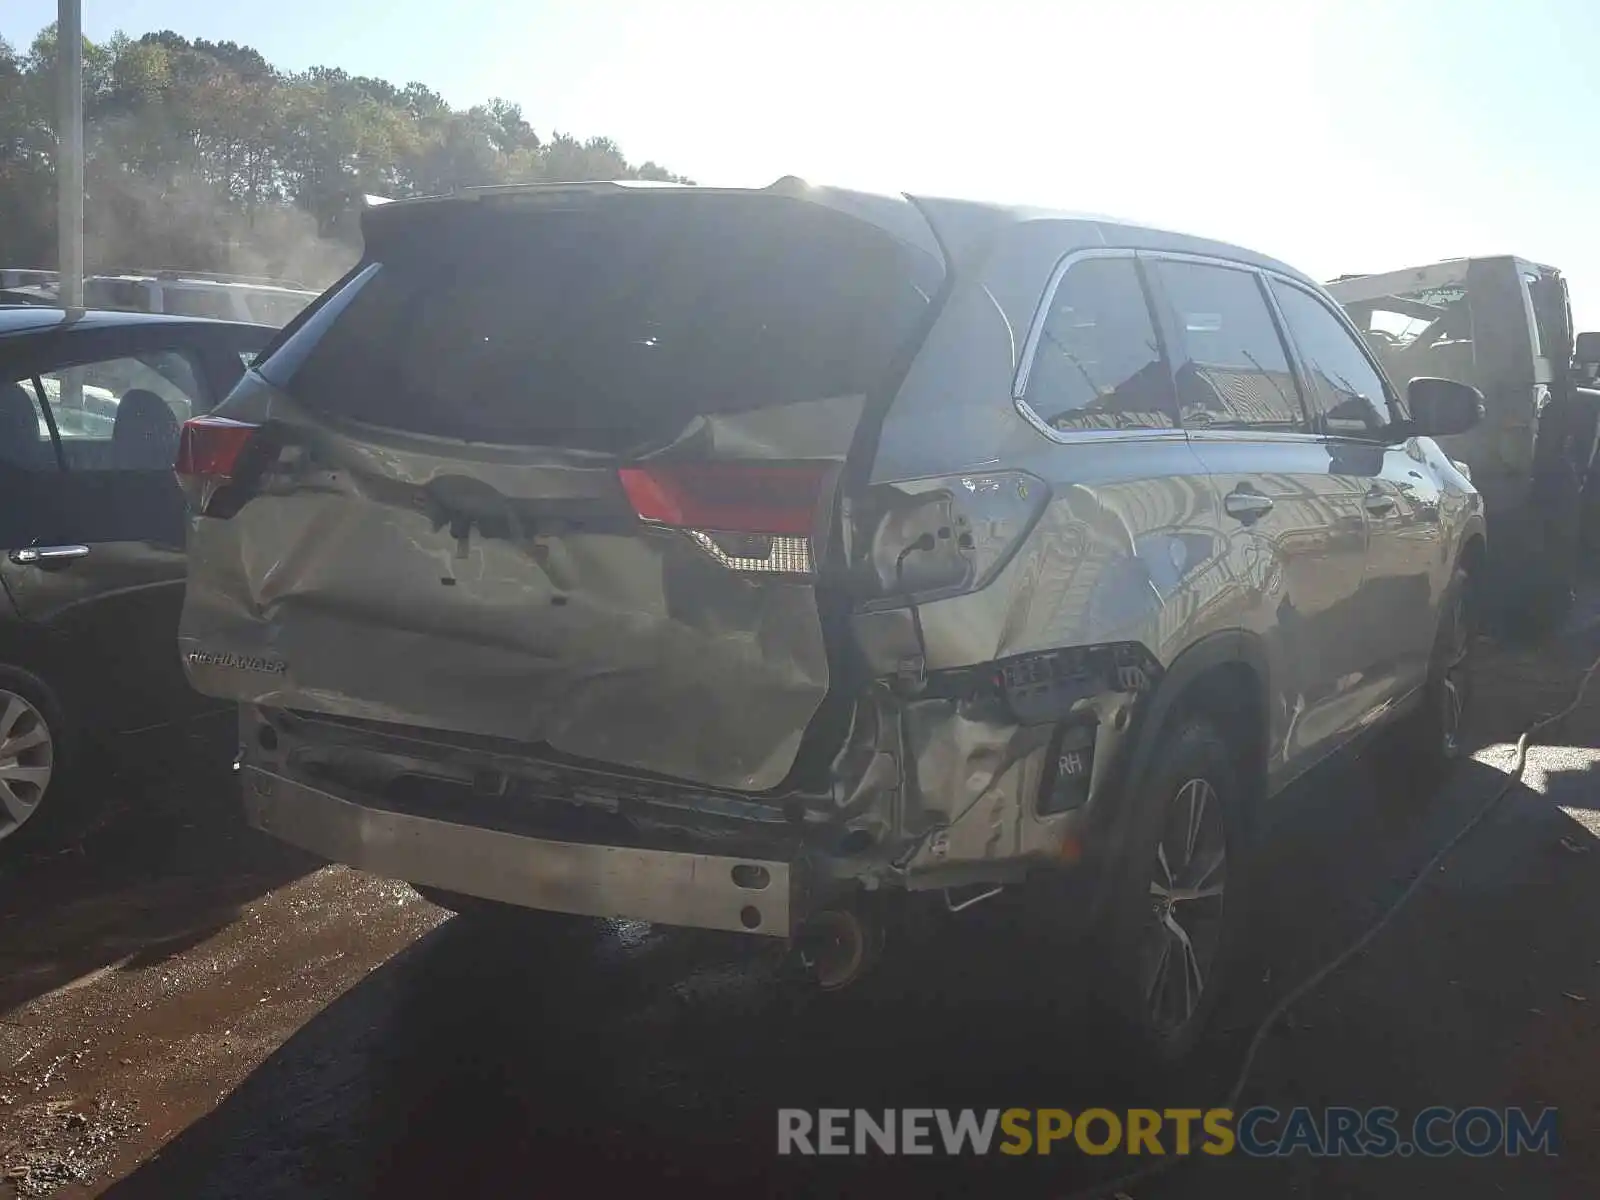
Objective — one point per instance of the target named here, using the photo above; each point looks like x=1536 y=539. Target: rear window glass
x=610 y=325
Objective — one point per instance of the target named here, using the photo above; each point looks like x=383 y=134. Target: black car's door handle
x=43 y=555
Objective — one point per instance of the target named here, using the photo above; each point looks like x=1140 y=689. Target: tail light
x=751 y=517
x=214 y=453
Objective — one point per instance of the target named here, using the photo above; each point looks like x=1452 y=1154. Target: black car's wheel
x=37 y=760
x=1177 y=904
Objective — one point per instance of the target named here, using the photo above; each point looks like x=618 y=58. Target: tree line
x=202 y=155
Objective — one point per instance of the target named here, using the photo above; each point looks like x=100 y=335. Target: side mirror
x=1442 y=407
x=1586 y=351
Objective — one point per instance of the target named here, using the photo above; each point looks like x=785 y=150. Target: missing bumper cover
x=702 y=891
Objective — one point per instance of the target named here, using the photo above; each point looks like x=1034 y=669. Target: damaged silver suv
x=753 y=559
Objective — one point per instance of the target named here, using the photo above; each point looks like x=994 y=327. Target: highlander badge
x=237 y=662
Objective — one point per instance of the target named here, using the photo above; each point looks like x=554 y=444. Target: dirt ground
x=189 y=1009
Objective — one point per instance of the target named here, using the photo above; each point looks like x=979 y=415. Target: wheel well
x=38 y=653
x=1231 y=695
x=25 y=652
x=1216 y=680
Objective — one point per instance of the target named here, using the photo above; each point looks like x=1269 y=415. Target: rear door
x=1292 y=512
x=91 y=519
x=557 y=470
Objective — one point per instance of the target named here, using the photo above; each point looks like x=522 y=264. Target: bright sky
x=1340 y=135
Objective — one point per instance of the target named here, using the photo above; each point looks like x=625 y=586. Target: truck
x=1504 y=325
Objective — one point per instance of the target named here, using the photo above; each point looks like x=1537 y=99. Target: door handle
x=1246 y=505
x=1379 y=503
x=36 y=555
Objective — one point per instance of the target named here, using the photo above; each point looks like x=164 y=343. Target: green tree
x=203 y=155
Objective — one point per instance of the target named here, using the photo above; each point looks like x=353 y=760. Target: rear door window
x=123 y=414
x=106 y=430
x=609 y=326
x=25 y=442
x=1098 y=363
x=1233 y=372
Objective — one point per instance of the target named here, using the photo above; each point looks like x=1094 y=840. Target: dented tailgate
x=561 y=472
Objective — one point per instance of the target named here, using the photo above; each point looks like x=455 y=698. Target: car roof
x=961 y=229
x=966 y=226
x=20 y=319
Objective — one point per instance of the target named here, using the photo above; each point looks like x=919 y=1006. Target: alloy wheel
x=27 y=761
x=1184 y=929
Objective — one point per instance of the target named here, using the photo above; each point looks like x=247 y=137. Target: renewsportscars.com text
x=1259 y=1132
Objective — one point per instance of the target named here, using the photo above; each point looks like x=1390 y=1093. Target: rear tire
x=1176 y=909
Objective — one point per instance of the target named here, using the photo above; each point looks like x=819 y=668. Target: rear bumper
x=661 y=886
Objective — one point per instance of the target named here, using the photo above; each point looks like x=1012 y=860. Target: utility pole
x=69 y=150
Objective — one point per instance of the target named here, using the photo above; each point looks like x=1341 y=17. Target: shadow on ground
x=165 y=861
x=490 y=1061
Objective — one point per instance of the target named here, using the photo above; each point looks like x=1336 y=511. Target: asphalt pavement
x=189 y=1009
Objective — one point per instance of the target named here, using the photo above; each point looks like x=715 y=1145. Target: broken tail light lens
x=929 y=539
x=750 y=517
x=213 y=452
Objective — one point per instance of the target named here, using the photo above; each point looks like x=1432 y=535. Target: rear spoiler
x=894 y=214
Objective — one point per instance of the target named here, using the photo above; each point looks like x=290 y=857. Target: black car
x=92 y=533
